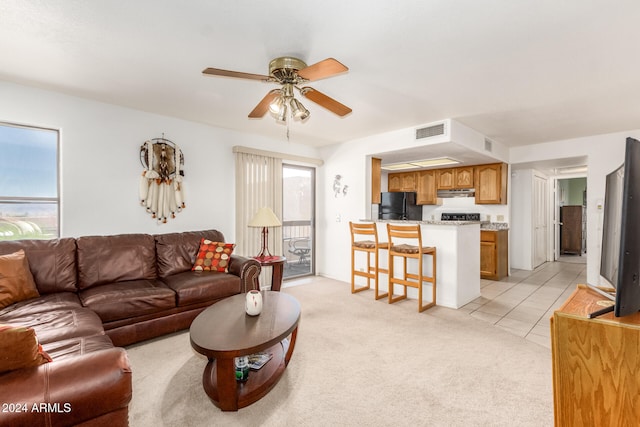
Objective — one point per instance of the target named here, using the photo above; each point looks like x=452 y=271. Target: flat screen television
x=620 y=256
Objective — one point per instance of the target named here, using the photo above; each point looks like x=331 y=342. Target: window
x=29 y=200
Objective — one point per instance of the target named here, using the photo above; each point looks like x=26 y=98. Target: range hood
x=462 y=192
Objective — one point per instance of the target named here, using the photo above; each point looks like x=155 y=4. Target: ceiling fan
x=291 y=73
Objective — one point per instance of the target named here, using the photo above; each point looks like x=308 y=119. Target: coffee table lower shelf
x=219 y=380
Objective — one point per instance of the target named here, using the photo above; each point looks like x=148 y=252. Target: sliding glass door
x=298 y=220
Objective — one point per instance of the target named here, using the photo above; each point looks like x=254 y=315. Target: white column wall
x=520 y=253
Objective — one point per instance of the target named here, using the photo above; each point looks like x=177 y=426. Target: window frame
x=35 y=200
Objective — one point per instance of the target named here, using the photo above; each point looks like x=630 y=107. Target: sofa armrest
x=66 y=392
x=247 y=269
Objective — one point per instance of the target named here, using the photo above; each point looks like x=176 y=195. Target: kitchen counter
x=458 y=259
x=494 y=226
x=484 y=225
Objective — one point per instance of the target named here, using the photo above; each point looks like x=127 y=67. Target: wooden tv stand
x=596 y=364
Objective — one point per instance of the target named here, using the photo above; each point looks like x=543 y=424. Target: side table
x=277 y=265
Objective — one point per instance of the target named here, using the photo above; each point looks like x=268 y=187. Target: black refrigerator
x=399 y=205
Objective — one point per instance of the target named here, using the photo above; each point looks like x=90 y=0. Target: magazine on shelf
x=258 y=360
x=285 y=345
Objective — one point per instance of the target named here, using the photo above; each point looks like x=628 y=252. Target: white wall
x=334 y=213
x=100 y=164
x=474 y=140
x=520 y=255
x=604 y=153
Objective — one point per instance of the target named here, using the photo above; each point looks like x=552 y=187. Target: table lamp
x=264 y=218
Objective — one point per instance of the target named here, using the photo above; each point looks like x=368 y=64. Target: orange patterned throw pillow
x=20 y=348
x=213 y=256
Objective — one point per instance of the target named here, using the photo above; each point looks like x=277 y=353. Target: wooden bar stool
x=397 y=235
x=369 y=245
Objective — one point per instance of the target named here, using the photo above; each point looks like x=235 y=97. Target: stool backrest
x=404 y=232
x=363 y=229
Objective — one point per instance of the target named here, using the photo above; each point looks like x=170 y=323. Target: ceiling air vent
x=430 y=131
x=488 y=144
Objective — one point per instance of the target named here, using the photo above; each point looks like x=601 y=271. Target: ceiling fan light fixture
x=298 y=111
x=282 y=114
x=290 y=73
x=276 y=105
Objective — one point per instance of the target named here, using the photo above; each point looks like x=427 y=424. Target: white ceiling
x=519 y=72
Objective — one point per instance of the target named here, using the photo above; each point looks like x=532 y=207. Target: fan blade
x=236 y=74
x=325 y=101
x=327 y=68
x=263 y=106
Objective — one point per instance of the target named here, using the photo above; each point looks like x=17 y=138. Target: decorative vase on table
x=253 y=305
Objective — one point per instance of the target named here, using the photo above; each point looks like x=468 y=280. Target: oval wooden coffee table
x=224 y=331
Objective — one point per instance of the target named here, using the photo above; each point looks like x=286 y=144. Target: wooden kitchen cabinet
x=595 y=364
x=427 y=192
x=376 y=175
x=403 y=181
x=445 y=179
x=451 y=178
x=494 y=254
x=394 y=182
x=463 y=177
x=491 y=183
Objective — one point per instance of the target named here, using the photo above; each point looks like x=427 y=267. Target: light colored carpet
x=361 y=362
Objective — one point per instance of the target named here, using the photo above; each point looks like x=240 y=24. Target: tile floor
x=523 y=302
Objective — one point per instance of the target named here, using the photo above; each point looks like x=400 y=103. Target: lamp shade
x=264 y=218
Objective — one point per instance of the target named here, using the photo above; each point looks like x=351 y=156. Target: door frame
x=555 y=211
x=312 y=226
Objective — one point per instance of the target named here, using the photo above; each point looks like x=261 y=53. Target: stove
x=458 y=216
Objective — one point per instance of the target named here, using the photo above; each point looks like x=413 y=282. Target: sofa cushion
x=109 y=259
x=62 y=300
x=52 y=262
x=16 y=281
x=20 y=348
x=176 y=252
x=63 y=349
x=193 y=287
x=55 y=325
x=213 y=256
x=124 y=300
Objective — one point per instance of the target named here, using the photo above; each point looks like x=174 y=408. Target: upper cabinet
x=451 y=178
x=427 y=189
x=403 y=181
x=376 y=175
x=464 y=177
x=489 y=181
x=445 y=179
x=491 y=184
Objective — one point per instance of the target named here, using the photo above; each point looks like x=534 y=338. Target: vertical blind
x=258 y=184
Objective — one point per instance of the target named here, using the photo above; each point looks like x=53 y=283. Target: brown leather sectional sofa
x=98 y=293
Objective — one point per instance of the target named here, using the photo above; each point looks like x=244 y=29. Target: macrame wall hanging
x=161 y=180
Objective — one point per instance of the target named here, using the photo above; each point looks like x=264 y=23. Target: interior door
x=540 y=226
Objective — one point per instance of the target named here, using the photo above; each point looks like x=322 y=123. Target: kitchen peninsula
x=458 y=261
